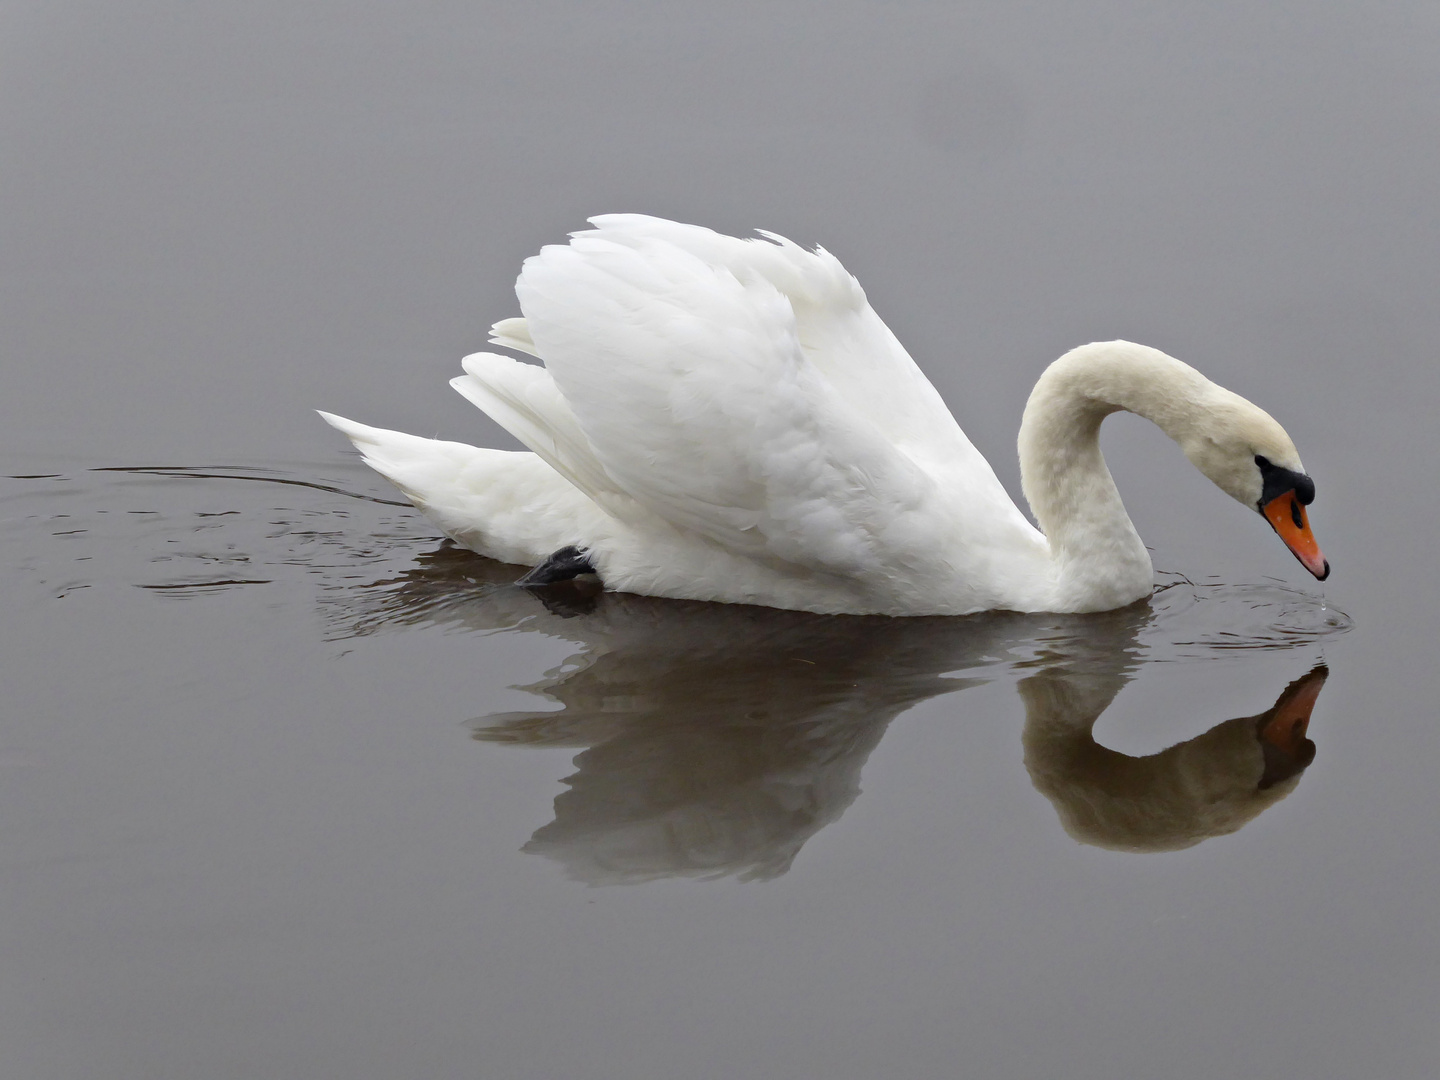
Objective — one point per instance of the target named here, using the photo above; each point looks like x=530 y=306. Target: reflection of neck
x=1101 y=560
x=1207 y=786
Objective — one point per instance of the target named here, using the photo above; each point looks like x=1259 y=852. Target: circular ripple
x=1193 y=622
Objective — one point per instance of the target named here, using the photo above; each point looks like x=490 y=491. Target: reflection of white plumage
x=726 y=419
x=717 y=739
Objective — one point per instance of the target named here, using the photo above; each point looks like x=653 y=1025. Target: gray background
x=235 y=843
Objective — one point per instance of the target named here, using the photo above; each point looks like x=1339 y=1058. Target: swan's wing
x=837 y=329
x=693 y=392
x=513 y=334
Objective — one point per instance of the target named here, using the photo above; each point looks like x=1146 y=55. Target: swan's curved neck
x=1100 y=560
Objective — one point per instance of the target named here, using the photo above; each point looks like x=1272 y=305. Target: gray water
x=290 y=787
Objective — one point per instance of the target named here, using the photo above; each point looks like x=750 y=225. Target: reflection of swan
x=725 y=419
x=1207 y=786
x=717 y=739
x=722 y=737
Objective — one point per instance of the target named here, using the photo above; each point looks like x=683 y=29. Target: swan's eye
x=1276 y=481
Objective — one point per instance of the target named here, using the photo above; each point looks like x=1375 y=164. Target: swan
x=728 y=419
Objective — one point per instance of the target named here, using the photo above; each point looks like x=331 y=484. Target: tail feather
x=509 y=505
x=411 y=463
x=425 y=470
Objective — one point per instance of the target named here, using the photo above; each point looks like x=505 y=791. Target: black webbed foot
x=562 y=565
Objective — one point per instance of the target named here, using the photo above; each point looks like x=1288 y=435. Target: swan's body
x=729 y=420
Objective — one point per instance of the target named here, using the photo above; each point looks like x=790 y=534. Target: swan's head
x=1242 y=449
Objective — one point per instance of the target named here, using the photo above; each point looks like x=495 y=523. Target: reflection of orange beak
x=1282 y=730
x=1287 y=517
x=1284 y=725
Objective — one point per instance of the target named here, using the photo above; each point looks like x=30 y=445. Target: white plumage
x=725 y=419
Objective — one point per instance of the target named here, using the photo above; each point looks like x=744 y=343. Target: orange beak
x=1287 y=518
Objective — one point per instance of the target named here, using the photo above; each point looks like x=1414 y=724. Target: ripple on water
x=1200 y=621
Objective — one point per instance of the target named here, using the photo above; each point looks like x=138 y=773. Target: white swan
x=729 y=420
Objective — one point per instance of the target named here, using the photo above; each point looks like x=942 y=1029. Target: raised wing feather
x=697 y=398
x=837 y=329
x=523 y=399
